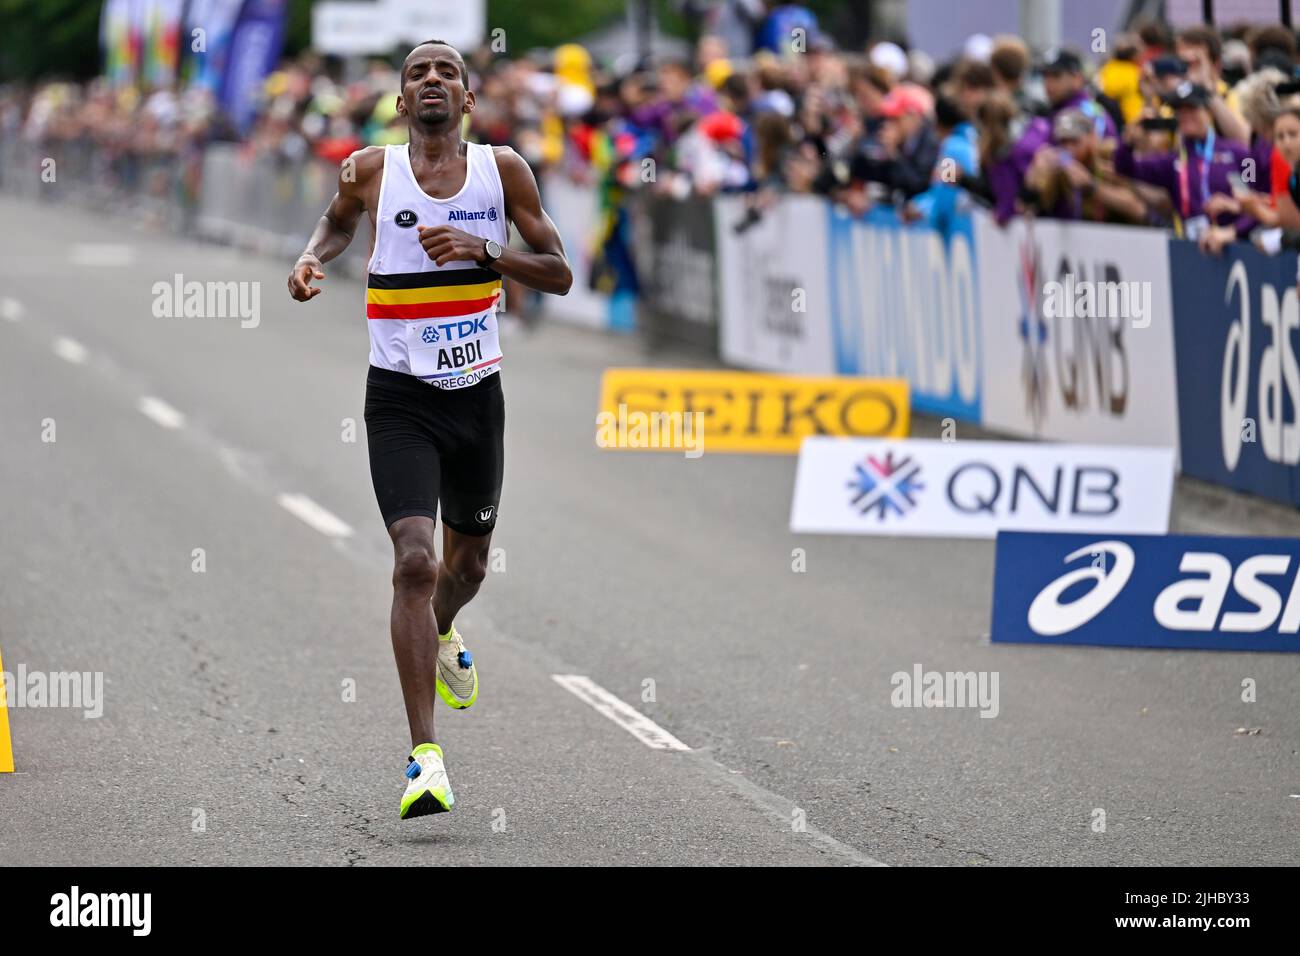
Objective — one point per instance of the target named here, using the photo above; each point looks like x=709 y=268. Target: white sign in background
x=775 y=292
x=1076 y=379
x=973 y=489
x=353 y=28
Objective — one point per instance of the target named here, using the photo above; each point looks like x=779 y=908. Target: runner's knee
x=414 y=565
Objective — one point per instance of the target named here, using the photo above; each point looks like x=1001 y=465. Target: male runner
x=434 y=410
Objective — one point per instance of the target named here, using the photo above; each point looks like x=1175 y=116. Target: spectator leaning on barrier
x=1260 y=106
x=1074 y=180
x=1286 y=233
x=902 y=156
x=1200 y=166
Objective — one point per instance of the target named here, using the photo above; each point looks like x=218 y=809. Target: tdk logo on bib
x=461 y=215
x=1215 y=593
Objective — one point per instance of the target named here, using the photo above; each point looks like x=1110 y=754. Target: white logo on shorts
x=485 y=515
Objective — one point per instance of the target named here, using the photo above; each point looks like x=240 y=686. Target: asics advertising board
x=1206 y=593
x=1236 y=320
x=973 y=489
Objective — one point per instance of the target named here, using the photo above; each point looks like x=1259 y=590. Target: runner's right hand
x=304 y=270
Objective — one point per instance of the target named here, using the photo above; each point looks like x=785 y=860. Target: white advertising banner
x=575 y=212
x=1078 y=341
x=973 y=489
x=355 y=28
x=775 y=294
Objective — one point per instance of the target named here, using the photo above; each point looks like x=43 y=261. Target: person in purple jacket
x=1199 y=165
x=1066 y=89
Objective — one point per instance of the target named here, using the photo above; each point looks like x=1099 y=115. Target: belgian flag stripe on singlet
x=429 y=295
x=428 y=280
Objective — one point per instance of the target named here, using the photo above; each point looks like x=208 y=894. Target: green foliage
x=49 y=38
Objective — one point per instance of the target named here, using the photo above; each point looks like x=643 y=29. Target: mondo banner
x=904 y=302
x=1238 y=377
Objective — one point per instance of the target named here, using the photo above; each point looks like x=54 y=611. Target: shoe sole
x=425 y=804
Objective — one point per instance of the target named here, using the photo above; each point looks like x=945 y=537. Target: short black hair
x=464 y=71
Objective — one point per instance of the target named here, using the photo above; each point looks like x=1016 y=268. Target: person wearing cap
x=904 y=151
x=1070 y=180
x=1198 y=167
x=1201 y=48
x=1066 y=89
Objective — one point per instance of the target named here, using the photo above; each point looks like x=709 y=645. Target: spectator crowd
x=1195 y=130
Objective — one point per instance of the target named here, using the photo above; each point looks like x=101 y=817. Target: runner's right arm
x=339 y=223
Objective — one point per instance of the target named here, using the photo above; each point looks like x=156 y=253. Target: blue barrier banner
x=905 y=304
x=1180 y=591
x=1235 y=321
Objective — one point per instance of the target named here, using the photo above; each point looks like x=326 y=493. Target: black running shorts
x=431 y=445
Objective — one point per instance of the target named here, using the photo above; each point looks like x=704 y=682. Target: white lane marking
x=102 y=254
x=162 y=413
x=70 y=350
x=11 y=310
x=312 y=514
x=630 y=719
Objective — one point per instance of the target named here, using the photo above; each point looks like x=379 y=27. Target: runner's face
x=433 y=89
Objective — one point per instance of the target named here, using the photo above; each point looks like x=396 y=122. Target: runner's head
x=435 y=86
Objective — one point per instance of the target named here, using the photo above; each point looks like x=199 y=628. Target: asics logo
x=1049 y=617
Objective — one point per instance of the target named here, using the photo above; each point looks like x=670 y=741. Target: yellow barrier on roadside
x=6 y=746
x=672 y=409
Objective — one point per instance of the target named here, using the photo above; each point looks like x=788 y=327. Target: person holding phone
x=1196 y=168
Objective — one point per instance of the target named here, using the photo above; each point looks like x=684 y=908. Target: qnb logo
x=1049 y=616
x=464 y=215
x=885 y=486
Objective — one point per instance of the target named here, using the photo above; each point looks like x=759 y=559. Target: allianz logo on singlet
x=463 y=215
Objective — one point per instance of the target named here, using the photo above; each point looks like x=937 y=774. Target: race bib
x=454 y=352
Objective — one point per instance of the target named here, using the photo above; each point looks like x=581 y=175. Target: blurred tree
x=49 y=38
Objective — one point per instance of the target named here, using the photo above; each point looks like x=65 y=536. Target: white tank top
x=438 y=323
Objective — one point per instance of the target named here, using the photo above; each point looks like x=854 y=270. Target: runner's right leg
x=415 y=635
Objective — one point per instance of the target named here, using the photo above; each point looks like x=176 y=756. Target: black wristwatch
x=491 y=252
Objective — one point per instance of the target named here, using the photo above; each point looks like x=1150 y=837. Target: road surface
x=251 y=710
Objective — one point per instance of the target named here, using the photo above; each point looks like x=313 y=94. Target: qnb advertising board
x=904 y=303
x=1237 y=594
x=772 y=283
x=973 y=489
x=1238 y=375
x=1078 y=340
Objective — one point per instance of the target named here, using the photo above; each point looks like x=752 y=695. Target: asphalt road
x=228 y=735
